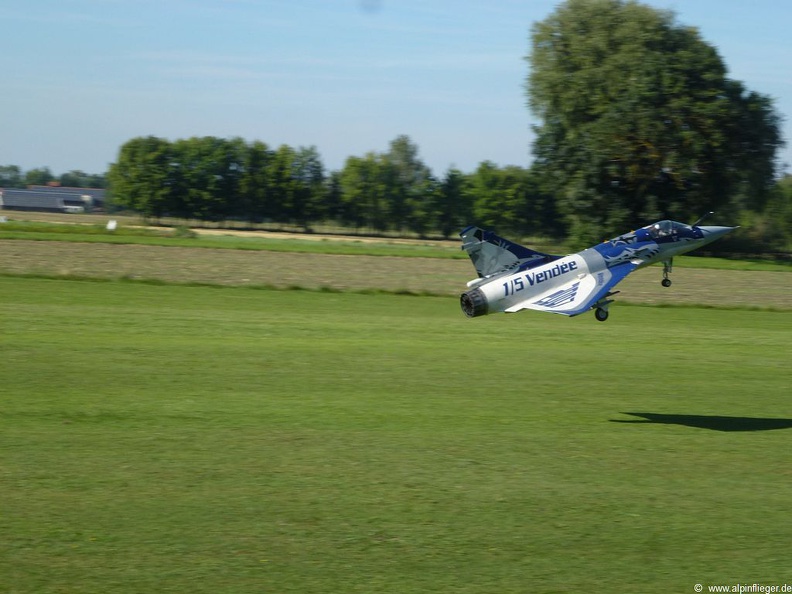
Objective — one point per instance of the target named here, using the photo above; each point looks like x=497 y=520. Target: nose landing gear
x=667 y=265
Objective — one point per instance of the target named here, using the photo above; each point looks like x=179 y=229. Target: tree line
x=12 y=176
x=217 y=179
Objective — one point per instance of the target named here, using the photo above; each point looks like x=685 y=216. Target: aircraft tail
x=493 y=255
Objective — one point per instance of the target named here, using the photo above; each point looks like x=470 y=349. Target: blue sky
x=83 y=76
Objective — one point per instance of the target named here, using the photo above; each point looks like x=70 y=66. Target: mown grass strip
x=140 y=236
x=340 y=290
x=176 y=439
x=255 y=287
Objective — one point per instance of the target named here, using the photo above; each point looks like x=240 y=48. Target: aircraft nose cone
x=712 y=232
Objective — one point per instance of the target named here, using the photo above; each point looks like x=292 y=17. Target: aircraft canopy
x=665 y=228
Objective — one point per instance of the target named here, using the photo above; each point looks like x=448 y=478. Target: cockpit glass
x=664 y=228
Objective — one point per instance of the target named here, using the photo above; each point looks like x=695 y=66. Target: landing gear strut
x=667 y=265
x=601 y=307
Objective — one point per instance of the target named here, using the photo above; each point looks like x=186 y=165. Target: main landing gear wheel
x=666 y=282
x=601 y=314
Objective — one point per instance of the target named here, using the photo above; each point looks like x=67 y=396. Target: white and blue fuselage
x=573 y=284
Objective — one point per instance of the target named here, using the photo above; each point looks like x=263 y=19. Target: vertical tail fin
x=492 y=254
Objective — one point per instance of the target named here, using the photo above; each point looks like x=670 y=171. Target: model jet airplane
x=513 y=277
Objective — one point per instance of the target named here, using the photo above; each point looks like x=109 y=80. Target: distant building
x=52 y=199
x=97 y=194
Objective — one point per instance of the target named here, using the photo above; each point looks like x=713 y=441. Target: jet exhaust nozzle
x=474 y=303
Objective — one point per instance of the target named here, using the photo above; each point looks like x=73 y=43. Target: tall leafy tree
x=500 y=197
x=489 y=209
x=365 y=192
x=282 y=184
x=410 y=185
x=40 y=176
x=255 y=199
x=309 y=186
x=195 y=178
x=453 y=203
x=780 y=209
x=771 y=229
x=143 y=178
x=638 y=119
x=232 y=155
x=79 y=179
x=11 y=177
x=333 y=208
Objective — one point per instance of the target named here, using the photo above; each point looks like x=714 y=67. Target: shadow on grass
x=715 y=423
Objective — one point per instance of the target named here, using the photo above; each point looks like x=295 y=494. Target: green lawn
x=181 y=237
x=191 y=439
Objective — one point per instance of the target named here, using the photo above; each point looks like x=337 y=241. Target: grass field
x=198 y=439
x=229 y=240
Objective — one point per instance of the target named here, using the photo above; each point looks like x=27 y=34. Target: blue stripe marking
x=559 y=298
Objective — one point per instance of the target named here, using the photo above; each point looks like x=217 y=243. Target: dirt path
x=324 y=237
